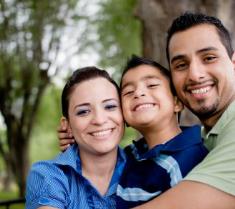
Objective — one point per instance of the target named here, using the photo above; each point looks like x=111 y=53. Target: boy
x=166 y=153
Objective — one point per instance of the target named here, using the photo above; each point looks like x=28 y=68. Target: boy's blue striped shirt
x=148 y=173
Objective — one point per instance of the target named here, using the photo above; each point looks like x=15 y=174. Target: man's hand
x=65 y=137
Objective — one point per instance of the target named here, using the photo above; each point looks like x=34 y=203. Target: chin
x=106 y=150
x=205 y=112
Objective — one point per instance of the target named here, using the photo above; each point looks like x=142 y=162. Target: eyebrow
x=181 y=56
x=108 y=100
x=144 y=78
x=82 y=104
x=88 y=104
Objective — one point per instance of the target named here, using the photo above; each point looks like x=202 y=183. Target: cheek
x=125 y=111
x=125 y=105
x=78 y=126
x=178 y=84
x=119 y=118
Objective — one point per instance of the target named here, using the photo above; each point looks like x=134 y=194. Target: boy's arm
x=191 y=195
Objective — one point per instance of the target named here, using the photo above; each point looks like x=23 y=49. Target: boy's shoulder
x=190 y=136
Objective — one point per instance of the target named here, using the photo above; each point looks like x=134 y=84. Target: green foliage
x=10 y=196
x=31 y=34
x=119 y=33
x=44 y=144
x=130 y=135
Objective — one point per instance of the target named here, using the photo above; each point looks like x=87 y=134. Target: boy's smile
x=147 y=100
x=143 y=106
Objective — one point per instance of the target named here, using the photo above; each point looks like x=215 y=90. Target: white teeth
x=102 y=133
x=201 y=90
x=144 y=106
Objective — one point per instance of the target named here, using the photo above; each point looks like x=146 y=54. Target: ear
x=233 y=60
x=178 y=105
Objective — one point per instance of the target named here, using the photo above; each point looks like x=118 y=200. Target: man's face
x=202 y=72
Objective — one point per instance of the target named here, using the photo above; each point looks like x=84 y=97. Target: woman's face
x=95 y=116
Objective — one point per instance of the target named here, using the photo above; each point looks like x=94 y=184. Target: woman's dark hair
x=188 y=20
x=79 y=76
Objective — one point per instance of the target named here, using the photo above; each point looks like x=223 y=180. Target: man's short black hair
x=188 y=20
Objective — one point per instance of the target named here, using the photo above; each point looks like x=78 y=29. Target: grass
x=10 y=196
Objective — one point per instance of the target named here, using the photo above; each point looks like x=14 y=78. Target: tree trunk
x=18 y=154
x=156 y=17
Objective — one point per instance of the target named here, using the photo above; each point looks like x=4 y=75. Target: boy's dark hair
x=188 y=20
x=136 y=61
x=79 y=76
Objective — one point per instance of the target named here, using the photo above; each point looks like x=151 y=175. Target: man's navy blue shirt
x=59 y=183
x=148 y=173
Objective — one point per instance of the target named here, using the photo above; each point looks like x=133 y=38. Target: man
x=202 y=64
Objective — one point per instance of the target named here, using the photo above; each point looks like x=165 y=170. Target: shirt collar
x=188 y=137
x=226 y=117
x=71 y=158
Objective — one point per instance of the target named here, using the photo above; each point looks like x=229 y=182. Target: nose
x=99 y=117
x=139 y=93
x=196 y=71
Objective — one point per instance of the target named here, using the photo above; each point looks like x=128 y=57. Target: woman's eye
x=82 y=112
x=111 y=107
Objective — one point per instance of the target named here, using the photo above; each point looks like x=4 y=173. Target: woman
x=87 y=174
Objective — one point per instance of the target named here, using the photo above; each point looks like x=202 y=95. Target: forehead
x=94 y=89
x=194 y=39
x=141 y=73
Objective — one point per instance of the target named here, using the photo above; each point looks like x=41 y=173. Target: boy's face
x=146 y=97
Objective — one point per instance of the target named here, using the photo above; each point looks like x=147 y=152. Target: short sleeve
x=218 y=168
x=47 y=185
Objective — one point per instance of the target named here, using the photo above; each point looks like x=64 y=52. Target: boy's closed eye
x=127 y=91
x=153 y=85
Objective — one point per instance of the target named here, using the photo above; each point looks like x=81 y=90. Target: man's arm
x=191 y=195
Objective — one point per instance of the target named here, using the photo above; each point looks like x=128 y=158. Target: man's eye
x=180 y=66
x=209 y=58
x=82 y=112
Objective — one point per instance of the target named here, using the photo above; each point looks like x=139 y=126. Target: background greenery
x=108 y=31
x=112 y=33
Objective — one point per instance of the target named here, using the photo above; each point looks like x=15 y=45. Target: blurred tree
x=157 y=15
x=118 y=33
x=30 y=40
x=44 y=143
